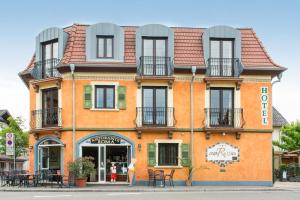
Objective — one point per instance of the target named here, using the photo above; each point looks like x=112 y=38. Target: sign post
x=10 y=146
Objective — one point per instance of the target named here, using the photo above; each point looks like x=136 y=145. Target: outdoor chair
x=159 y=176
x=169 y=177
x=151 y=177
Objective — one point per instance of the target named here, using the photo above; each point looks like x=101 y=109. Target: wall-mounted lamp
x=139 y=147
x=30 y=148
x=223 y=133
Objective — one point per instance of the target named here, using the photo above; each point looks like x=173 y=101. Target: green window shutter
x=151 y=154
x=185 y=155
x=87 y=96
x=122 y=97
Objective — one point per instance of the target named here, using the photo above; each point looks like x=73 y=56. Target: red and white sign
x=10 y=144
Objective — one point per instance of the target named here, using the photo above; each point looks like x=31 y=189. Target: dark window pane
x=168 y=154
x=105 y=97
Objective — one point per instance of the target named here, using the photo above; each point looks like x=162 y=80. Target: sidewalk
x=278 y=186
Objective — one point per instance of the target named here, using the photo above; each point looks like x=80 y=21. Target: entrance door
x=102 y=164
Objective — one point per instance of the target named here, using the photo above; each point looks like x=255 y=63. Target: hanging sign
x=264 y=98
x=222 y=154
x=105 y=140
x=10 y=150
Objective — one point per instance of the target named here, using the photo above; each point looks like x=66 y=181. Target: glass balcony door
x=49 y=58
x=154 y=56
x=221 y=57
x=221 y=107
x=154 y=108
x=50 y=107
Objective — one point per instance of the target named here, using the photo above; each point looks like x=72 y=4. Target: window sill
x=109 y=110
x=168 y=167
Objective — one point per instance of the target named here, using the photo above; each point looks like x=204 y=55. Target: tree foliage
x=290 y=137
x=21 y=138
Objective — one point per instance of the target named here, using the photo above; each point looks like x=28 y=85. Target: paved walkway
x=278 y=186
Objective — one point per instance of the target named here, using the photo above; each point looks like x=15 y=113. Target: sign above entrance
x=222 y=154
x=106 y=140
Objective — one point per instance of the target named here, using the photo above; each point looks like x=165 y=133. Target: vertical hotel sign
x=264 y=99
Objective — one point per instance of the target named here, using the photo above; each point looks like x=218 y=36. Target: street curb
x=143 y=190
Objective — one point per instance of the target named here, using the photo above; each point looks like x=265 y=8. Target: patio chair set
x=39 y=178
x=159 y=176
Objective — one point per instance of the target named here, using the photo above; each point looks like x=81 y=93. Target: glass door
x=221 y=57
x=102 y=163
x=44 y=158
x=221 y=107
x=49 y=58
x=49 y=107
x=154 y=105
x=154 y=56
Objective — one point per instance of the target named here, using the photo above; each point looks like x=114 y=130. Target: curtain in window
x=168 y=154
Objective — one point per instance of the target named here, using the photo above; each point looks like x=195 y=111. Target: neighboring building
x=7 y=162
x=134 y=93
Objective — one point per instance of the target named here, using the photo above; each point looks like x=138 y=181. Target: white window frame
x=166 y=141
x=94 y=84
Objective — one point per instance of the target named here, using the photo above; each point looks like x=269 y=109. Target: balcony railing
x=223 y=67
x=46 y=69
x=155 y=117
x=46 y=118
x=155 y=66
x=225 y=118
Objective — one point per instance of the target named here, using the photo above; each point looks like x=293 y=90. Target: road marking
x=120 y=194
x=53 y=196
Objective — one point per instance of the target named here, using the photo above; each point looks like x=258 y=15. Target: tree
x=21 y=138
x=290 y=137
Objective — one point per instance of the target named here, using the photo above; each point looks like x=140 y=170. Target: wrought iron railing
x=46 y=118
x=155 y=66
x=224 y=67
x=226 y=117
x=46 y=69
x=155 y=116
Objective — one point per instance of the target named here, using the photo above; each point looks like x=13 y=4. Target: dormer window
x=154 y=56
x=49 y=58
x=105 y=46
x=221 y=57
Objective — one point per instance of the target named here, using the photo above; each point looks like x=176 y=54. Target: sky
x=276 y=22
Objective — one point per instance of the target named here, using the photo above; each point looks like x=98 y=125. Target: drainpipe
x=192 y=116
x=72 y=69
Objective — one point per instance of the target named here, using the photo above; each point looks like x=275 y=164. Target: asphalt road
x=241 y=195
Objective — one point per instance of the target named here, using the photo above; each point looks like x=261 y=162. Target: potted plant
x=82 y=167
x=190 y=171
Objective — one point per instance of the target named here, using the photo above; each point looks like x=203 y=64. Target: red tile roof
x=188 y=48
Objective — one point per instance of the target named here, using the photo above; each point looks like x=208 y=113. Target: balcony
x=224 y=121
x=46 y=69
x=155 y=118
x=223 y=67
x=155 y=66
x=46 y=119
x=223 y=70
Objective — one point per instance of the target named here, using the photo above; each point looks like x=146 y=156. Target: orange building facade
x=169 y=97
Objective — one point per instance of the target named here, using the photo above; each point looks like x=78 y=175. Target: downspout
x=192 y=117
x=72 y=69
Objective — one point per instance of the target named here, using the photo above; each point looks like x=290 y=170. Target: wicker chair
x=151 y=177
x=169 y=177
